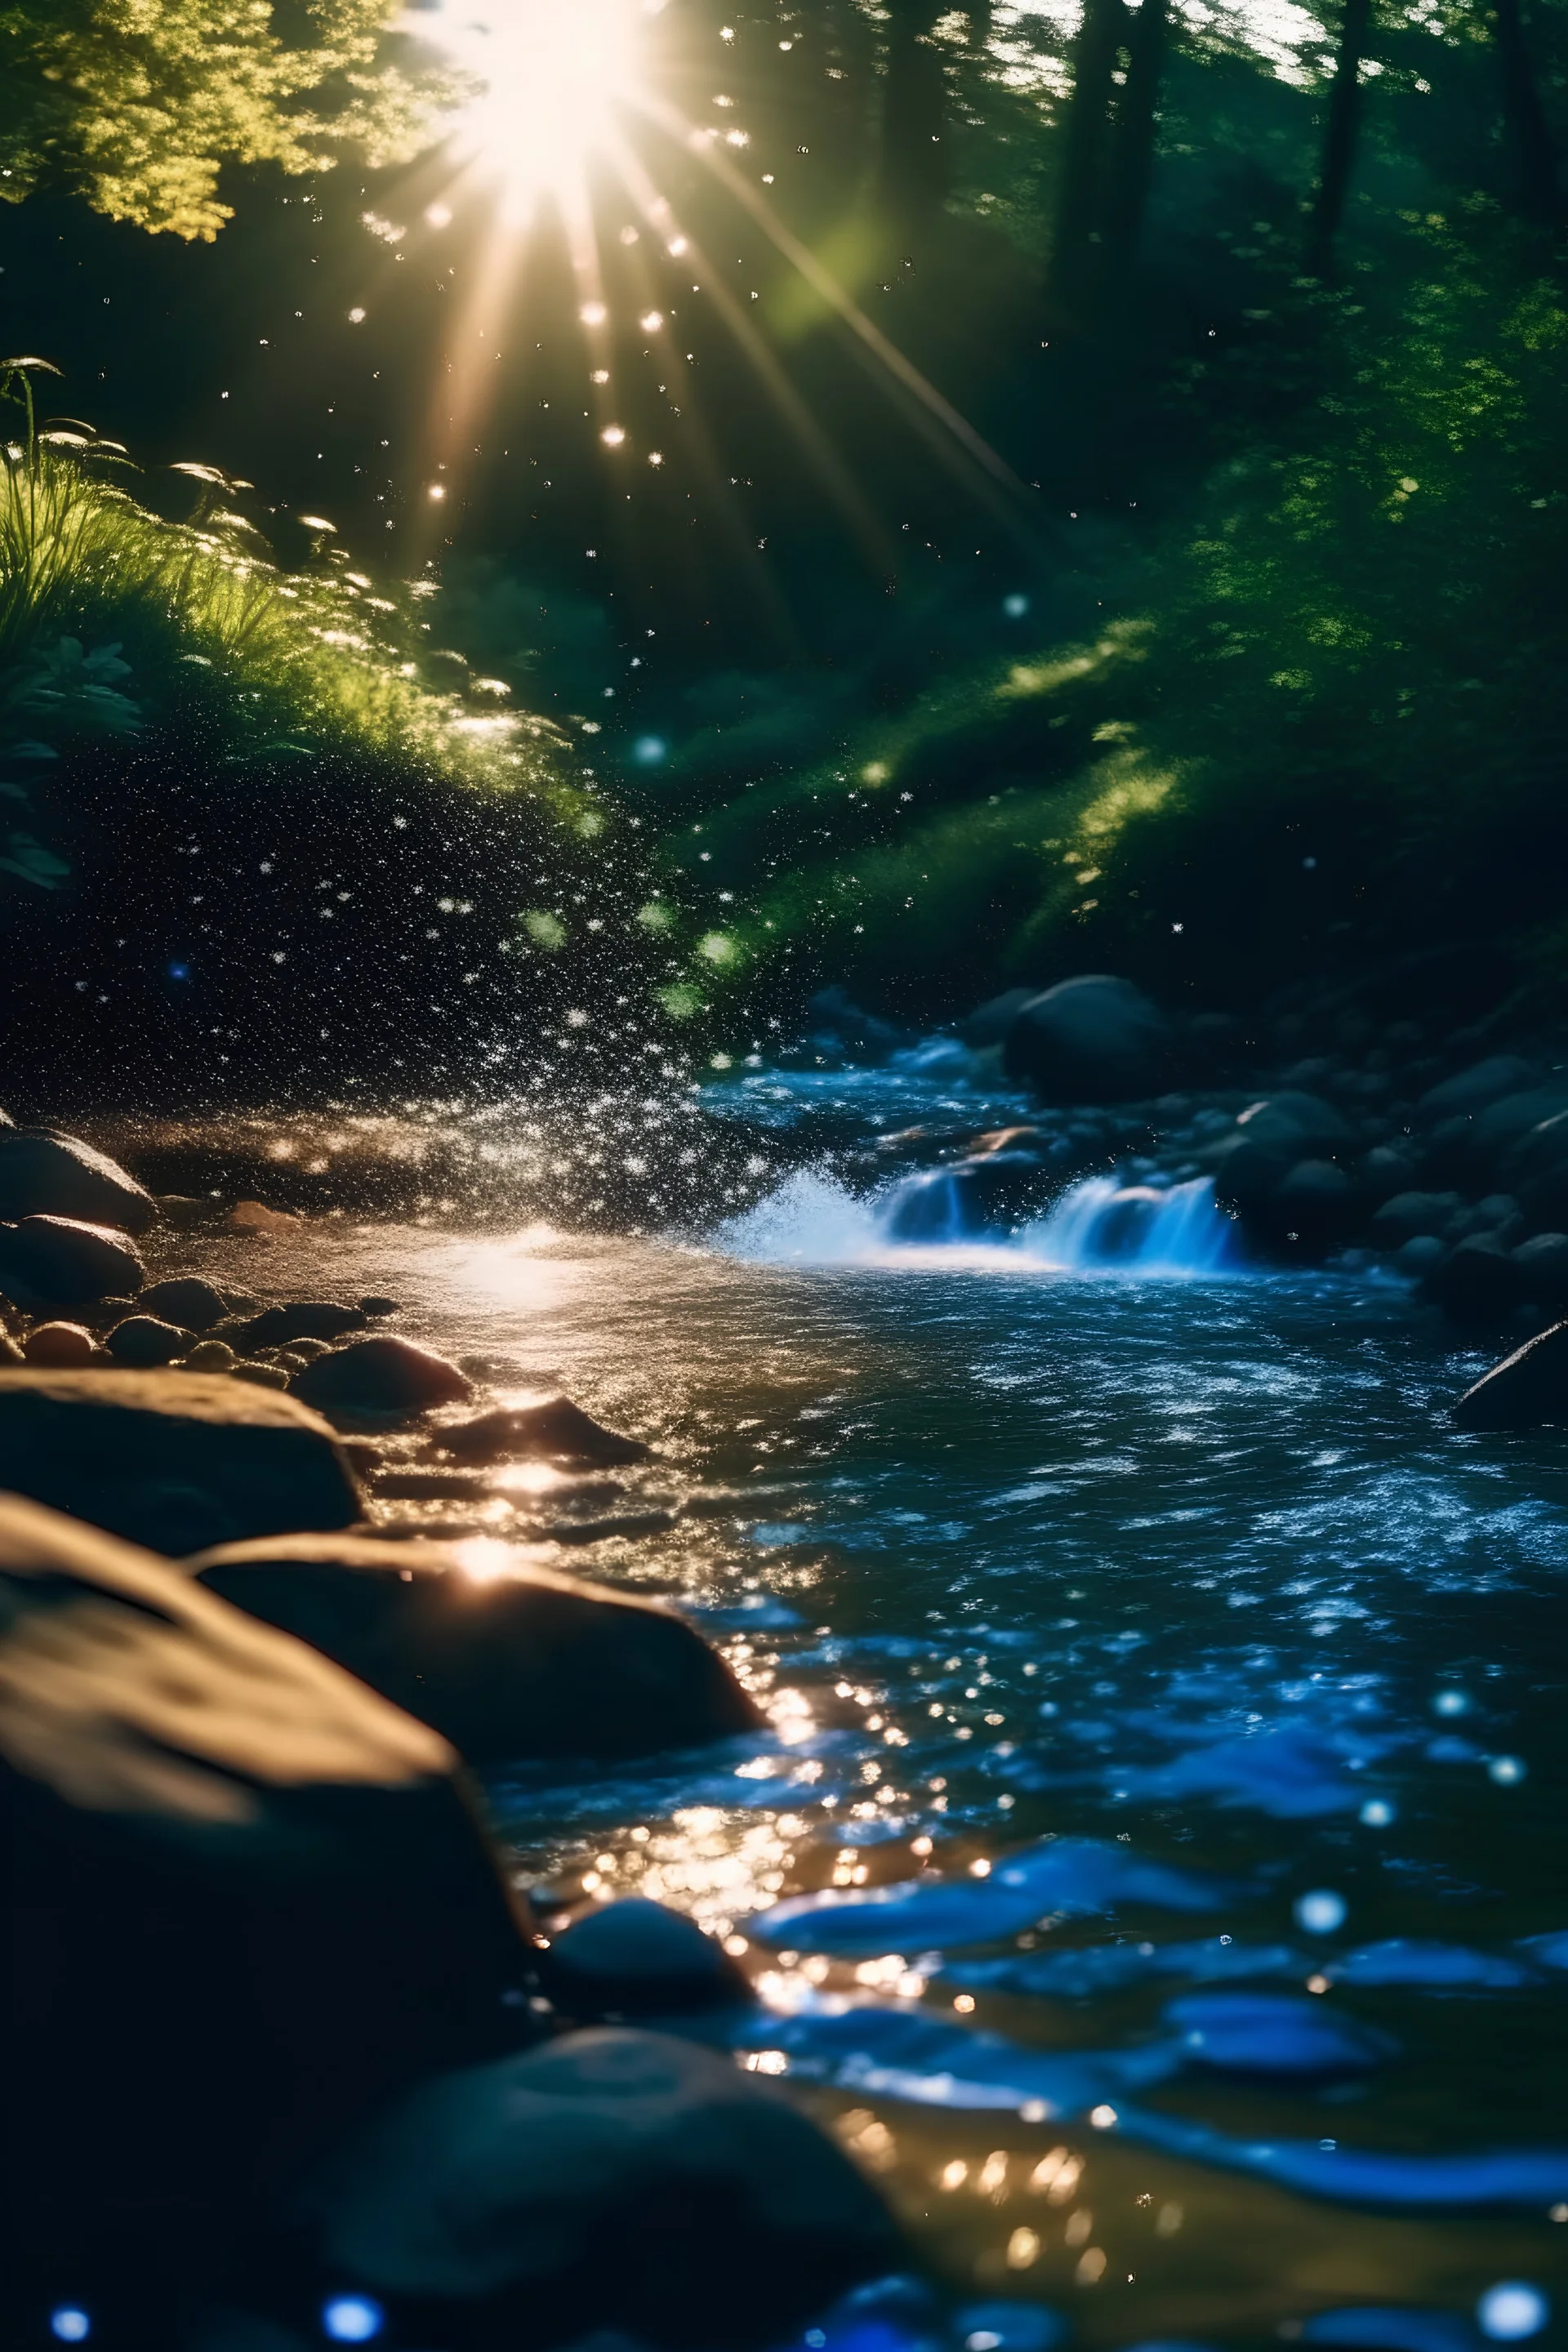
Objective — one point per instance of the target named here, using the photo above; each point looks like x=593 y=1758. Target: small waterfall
x=939 y=1215
x=1137 y=1228
x=927 y=1211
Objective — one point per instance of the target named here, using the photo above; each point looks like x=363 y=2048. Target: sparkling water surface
x=1192 y=1568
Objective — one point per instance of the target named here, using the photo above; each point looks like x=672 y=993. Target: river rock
x=56 y=1262
x=1094 y=1039
x=1294 y=1124
x=1476 y=1282
x=1526 y=1389
x=172 y=1460
x=526 y=1663
x=1409 y=1213
x=1245 y=1172
x=554 y=1431
x=61 y=1345
x=303 y=1319
x=1543 y=1267
x=43 y=1173
x=1316 y=1202
x=384 y=1375
x=194 y=1304
x=1420 y=1255
x=635 y=1959
x=143 y=1341
x=614 y=2181
x=1483 y=1083
x=989 y=1023
x=247 y=1901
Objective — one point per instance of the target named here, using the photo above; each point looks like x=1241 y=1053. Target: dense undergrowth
x=253 y=840
x=1320 y=726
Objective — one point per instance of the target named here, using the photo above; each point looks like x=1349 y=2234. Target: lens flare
x=552 y=81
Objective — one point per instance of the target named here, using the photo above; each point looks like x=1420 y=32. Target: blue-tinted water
x=1189 y=1569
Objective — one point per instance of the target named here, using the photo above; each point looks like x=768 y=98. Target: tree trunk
x=1081 y=199
x=1528 y=134
x=1132 y=148
x=914 y=162
x=1339 y=137
x=982 y=23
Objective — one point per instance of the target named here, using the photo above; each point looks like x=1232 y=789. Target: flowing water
x=1085 y=1536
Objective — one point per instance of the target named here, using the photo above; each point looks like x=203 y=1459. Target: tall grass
x=284 y=662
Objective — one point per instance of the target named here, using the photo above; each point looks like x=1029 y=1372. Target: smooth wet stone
x=210 y=1356
x=1091 y=1039
x=380 y=1376
x=1112 y=1968
x=1072 y=1877
x=1408 y=1216
x=143 y=1341
x=1524 y=1390
x=43 y=1173
x=50 y=1261
x=1438 y=1968
x=1272 y=2033
x=521 y=1663
x=172 y=1460
x=1542 y=1265
x=193 y=1304
x=376 y=1305
x=614 y=2179
x=247 y=1900
x=304 y=1318
x=63 y=1346
x=1294 y=1124
x=634 y=1958
x=555 y=1431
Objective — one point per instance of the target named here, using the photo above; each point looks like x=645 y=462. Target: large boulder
x=382 y=1376
x=1090 y=1040
x=43 y=1173
x=302 y=1319
x=245 y=1902
x=1528 y=1388
x=1404 y=1215
x=172 y=1460
x=615 y=2180
x=1316 y=1204
x=525 y=1662
x=59 y=1262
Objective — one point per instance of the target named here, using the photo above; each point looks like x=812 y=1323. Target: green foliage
x=114 y=618
x=137 y=104
x=1326 y=726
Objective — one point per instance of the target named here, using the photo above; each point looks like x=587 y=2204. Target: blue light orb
x=1320 y=1912
x=1513 y=2310
x=1014 y=607
x=179 y=972
x=69 y=2325
x=1452 y=1702
x=1506 y=1771
x=352 y=2319
x=649 y=750
x=1377 y=1813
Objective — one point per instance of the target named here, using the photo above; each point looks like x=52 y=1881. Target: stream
x=1169 y=1566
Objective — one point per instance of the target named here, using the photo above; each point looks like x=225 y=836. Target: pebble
x=145 y=1341
x=62 y=1345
